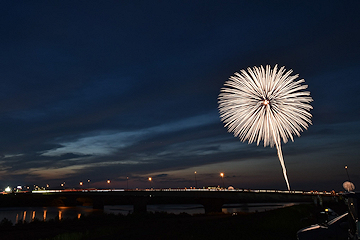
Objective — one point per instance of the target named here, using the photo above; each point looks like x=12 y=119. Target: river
x=29 y=214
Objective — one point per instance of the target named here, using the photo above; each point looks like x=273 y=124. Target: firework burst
x=265 y=105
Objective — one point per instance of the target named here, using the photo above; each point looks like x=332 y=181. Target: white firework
x=265 y=105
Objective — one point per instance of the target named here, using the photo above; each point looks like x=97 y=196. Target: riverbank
x=275 y=224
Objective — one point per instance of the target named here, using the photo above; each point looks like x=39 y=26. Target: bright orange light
x=222 y=174
x=150 y=178
x=81 y=183
x=108 y=181
x=265 y=102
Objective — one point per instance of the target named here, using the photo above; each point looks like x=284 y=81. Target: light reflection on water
x=29 y=214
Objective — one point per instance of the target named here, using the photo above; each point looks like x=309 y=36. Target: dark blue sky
x=104 y=90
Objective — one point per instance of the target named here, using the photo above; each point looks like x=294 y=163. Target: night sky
x=113 y=89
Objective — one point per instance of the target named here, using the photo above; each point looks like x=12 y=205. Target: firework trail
x=265 y=105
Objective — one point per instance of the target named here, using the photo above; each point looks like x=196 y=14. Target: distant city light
x=7 y=189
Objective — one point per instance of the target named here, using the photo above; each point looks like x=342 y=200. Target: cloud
x=125 y=90
x=49 y=172
x=107 y=143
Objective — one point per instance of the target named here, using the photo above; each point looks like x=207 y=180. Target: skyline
x=113 y=90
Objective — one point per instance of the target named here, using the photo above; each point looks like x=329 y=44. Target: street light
x=150 y=179
x=346 y=167
x=127 y=183
x=195 y=180
x=222 y=176
x=81 y=183
x=88 y=183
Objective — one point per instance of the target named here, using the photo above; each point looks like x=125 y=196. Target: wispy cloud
x=108 y=142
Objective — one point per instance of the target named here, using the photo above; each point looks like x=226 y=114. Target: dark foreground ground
x=275 y=224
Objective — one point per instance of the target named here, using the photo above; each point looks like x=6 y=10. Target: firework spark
x=265 y=105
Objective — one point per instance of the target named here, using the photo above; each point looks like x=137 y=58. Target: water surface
x=29 y=214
